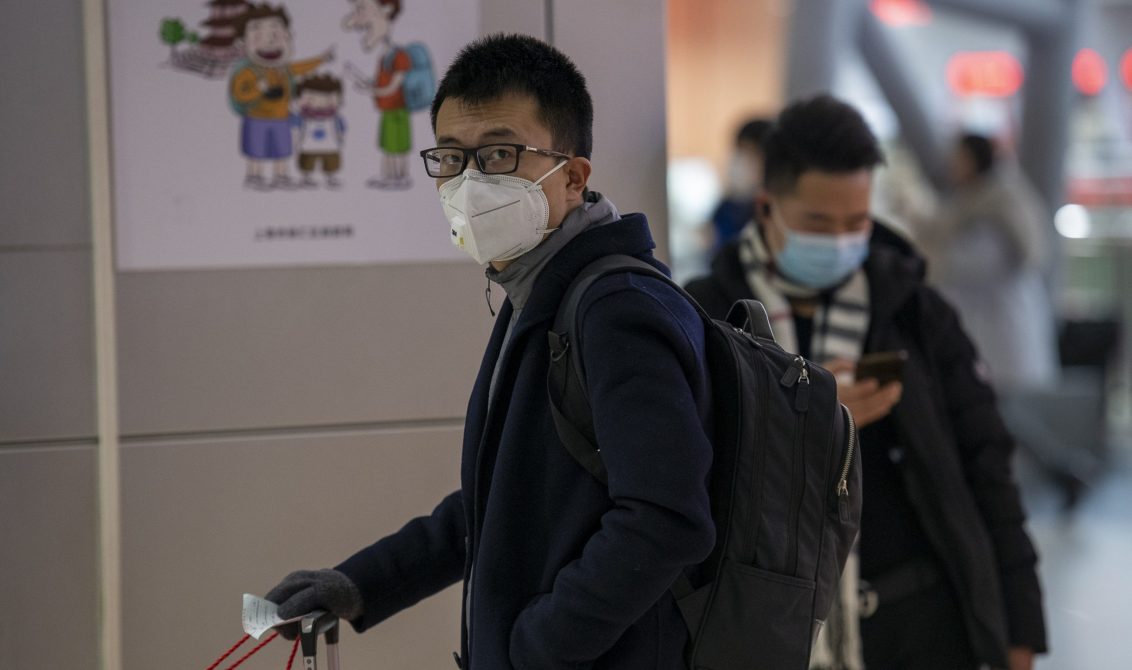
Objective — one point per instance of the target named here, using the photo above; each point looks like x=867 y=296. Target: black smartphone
x=883 y=366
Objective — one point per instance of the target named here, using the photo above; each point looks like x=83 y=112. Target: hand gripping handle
x=315 y=624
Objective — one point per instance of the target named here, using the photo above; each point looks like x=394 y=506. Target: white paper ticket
x=262 y=615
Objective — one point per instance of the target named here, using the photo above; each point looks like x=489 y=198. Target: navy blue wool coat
x=558 y=571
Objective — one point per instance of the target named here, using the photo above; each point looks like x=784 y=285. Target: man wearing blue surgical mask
x=558 y=570
x=947 y=573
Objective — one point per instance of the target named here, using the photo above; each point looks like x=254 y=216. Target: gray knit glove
x=304 y=591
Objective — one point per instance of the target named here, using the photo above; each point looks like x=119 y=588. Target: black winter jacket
x=558 y=570
x=958 y=452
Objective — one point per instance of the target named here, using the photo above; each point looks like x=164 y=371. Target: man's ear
x=577 y=171
x=763 y=207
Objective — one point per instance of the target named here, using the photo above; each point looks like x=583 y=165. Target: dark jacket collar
x=895 y=271
x=630 y=235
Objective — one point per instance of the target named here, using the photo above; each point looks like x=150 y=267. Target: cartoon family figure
x=283 y=102
x=261 y=90
x=320 y=127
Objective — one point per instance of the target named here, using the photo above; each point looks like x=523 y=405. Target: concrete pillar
x=916 y=124
x=820 y=32
x=1048 y=103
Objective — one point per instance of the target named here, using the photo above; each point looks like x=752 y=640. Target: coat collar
x=630 y=235
x=895 y=271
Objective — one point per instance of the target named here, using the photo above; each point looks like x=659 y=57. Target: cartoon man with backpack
x=403 y=83
x=260 y=91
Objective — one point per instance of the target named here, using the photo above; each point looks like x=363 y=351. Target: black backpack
x=785 y=484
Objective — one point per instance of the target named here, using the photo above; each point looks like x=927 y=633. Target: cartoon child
x=321 y=128
x=260 y=91
x=374 y=19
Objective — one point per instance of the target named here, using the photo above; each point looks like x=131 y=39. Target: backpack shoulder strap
x=566 y=380
x=566 y=385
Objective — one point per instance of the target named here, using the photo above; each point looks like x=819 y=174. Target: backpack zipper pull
x=802 y=395
x=794 y=372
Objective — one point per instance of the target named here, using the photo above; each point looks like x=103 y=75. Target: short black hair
x=981 y=149
x=820 y=133
x=754 y=131
x=496 y=65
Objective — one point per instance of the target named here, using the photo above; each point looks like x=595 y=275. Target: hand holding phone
x=883 y=366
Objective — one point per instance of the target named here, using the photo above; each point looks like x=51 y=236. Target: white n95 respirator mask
x=496 y=217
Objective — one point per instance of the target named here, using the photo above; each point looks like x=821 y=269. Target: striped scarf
x=841 y=319
x=841 y=322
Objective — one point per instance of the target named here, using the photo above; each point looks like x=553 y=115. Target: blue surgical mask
x=821 y=261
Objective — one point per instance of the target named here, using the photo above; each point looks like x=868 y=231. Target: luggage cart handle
x=315 y=624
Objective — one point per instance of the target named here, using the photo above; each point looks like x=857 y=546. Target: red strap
x=294 y=648
x=229 y=652
x=261 y=645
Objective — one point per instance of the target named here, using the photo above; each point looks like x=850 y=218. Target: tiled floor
x=1086 y=568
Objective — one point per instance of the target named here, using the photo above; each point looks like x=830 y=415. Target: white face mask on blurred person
x=742 y=177
x=496 y=217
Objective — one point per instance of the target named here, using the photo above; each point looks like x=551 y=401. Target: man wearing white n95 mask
x=559 y=570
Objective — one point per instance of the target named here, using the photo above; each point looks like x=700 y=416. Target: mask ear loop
x=554 y=169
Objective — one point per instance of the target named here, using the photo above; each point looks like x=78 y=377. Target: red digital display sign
x=1090 y=73
x=902 y=12
x=1126 y=69
x=992 y=74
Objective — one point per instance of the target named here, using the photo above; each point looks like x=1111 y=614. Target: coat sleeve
x=986 y=448
x=417 y=561
x=642 y=348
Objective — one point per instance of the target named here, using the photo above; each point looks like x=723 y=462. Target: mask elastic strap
x=554 y=169
x=487 y=296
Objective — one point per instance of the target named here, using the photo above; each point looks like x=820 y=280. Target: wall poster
x=281 y=133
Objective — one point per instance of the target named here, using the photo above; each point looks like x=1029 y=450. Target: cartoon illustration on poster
x=261 y=90
x=212 y=55
x=321 y=128
x=404 y=83
x=277 y=133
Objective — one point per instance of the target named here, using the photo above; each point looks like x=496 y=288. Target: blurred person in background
x=948 y=572
x=991 y=254
x=744 y=174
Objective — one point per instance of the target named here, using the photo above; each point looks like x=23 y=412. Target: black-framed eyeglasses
x=501 y=158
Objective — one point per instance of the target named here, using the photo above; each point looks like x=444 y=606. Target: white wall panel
x=205 y=521
x=222 y=350
x=46 y=349
x=43 y=182
x=47 y=553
